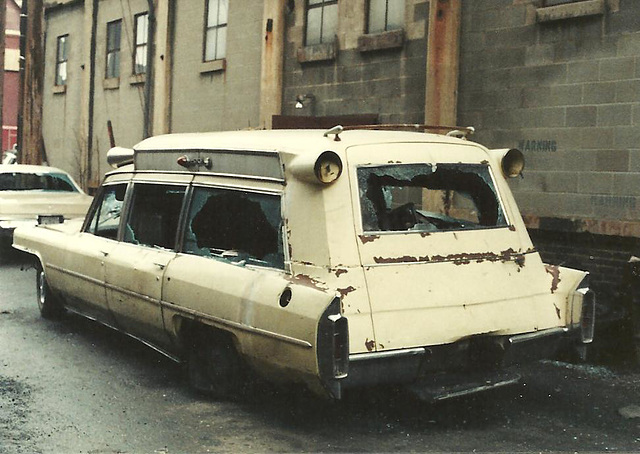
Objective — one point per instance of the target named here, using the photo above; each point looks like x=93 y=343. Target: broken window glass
x=428 y=197
x=238 y=226
x=155 y=212
x=105 y=216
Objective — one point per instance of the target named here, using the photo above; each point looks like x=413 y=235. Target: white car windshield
x=19 y=181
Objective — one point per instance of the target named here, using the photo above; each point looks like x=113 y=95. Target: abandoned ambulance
x=336 y=259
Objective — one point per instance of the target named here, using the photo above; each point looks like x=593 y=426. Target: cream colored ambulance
x=337 y=259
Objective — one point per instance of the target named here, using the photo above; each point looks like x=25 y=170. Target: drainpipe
x=87 y=174
x=148 y=84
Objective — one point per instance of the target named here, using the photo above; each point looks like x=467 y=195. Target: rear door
x=135 y=268
x=442 y=257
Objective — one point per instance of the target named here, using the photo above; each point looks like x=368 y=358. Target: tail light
x=587 y=315
x=340 y=344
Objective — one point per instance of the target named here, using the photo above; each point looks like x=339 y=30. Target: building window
x=385 y=15
x=141 y=34
x=61 y=60
x=215 y=33
x=114 y=31
x=322 y=21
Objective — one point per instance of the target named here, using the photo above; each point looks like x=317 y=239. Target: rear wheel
x=49 y=305
x=214 y=367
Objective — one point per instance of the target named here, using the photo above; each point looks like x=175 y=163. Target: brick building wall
x=567 y=93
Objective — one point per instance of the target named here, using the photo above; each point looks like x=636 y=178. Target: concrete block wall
x=567 y=93
x=390 y=83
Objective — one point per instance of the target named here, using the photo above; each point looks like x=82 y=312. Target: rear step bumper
x=470 y=365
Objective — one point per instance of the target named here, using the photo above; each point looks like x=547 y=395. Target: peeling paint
x=557 y=311
x=370 y=344
x=368 y=238
x=340 y=271
x=345 y=291
x=403 y=259
x=308 y=281
x=462 y=258
x=554 y=271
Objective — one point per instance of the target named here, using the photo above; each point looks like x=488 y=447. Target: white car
x=27 y=192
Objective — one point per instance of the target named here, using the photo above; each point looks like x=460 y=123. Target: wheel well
x=190 y=331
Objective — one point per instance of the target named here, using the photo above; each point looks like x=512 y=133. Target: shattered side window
x=239 y=226
x=105 y=216
x=428 y=197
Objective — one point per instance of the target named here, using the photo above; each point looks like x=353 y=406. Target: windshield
x=428 y=197
x=59 y=182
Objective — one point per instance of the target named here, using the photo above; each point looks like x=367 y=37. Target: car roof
x=27 y=168
x=293 y=141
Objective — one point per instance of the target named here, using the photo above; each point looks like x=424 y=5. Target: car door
x=84 y=258
x=135 y=267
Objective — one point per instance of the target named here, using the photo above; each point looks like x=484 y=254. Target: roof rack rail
x=455 y=131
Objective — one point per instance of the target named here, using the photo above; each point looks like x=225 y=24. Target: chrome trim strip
x=388 y=354
x=165 y=304
x=516 y=339
x=236 y=325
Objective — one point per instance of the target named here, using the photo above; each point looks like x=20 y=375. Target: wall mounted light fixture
x=303 y=100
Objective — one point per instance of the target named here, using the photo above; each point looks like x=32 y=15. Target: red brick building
x=11 y=77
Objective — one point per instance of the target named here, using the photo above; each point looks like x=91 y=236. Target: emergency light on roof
x=119 y=156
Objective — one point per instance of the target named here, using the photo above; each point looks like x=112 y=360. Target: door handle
x=160 y=265
x=104 y=253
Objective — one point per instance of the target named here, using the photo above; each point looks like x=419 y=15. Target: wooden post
x=272 y=61
x=31 y=151
x=443 y=62
x=3 y=32
x=162 y=67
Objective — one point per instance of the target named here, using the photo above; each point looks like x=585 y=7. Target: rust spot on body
x=403 y=259
x=370 y=344
x=368 y=238
x=345 y=291
x=341 y=271
x=554 y=271
x=308 y=281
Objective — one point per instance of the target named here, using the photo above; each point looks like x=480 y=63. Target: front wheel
x=214 y=367
x=49 y=305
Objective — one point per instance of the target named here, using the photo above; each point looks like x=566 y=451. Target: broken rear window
x=428 y=197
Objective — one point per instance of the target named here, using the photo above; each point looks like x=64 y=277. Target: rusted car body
x=28 y=191
x=336 y=259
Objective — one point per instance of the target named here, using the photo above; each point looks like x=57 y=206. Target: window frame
x=115 y=51
x=386 y=18
x=96 y=206
x=140 y=46
x=134 y=189
x=322 y=4
x=208 y=28
x=61 y=61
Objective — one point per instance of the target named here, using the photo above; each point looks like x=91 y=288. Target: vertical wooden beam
x=272 y=61
x=162 y=67
x=3 y=32
x=443 y=62
x=32 y=149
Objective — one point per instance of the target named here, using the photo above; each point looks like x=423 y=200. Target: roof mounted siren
x=119 y=156
x=511 y=161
